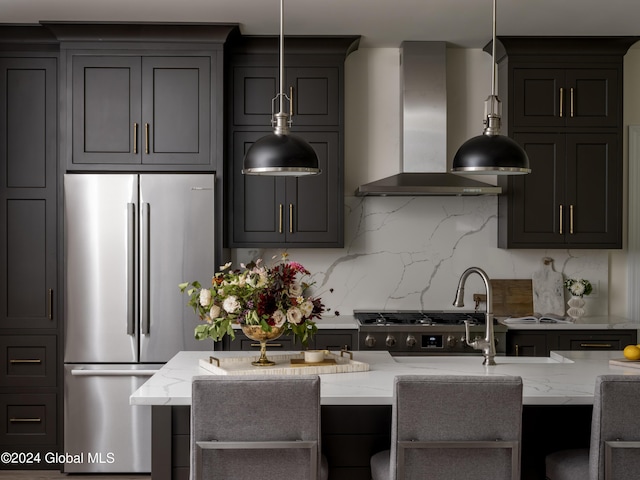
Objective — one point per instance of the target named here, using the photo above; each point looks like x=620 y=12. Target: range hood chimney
x=423 y=68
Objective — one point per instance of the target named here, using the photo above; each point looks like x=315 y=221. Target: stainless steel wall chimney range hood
x=424 y=130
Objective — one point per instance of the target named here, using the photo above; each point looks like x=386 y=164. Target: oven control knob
x=390 y=341
x=451 y=341
x=411 y=341
x=370 y=341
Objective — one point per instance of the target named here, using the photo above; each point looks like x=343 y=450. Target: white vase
x=575 y=310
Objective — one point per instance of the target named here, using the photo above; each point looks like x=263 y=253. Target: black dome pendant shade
x=491 y=153
x=281 y=153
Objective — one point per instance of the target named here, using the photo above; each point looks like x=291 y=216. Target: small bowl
x=314 y=356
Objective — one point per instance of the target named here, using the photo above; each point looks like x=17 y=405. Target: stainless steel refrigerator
x=130 y=239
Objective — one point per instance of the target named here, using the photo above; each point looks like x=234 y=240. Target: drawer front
x=596 y=341
x=28 y=360
x=28 y=419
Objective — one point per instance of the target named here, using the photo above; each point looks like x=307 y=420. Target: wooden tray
x=292 y=364
x=623 y=362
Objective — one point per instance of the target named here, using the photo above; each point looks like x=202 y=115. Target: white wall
x=409 y=252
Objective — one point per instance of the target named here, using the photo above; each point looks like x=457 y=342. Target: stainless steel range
x=411 y=332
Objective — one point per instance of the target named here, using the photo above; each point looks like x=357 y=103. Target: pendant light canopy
x=281 y=153
x=491 y=153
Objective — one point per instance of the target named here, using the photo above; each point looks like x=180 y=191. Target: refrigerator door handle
x=131 y=265
x=79 y=372
x=144 y=268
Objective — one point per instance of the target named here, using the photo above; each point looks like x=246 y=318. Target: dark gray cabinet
x=29 y=294
x=276 y=211
x=325 y=339
x=538 y=343
x=149 y=110
x=563 y=104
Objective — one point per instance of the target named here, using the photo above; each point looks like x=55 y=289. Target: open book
x=537 y=318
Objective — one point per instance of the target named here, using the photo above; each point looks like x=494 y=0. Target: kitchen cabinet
x=272 y=212
x=537 y=343
x=150 y=110
x=29 y=274
x=324 y=339
x=563 y=104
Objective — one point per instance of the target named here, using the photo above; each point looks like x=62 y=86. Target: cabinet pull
x=571 y=102
x=291 y=218
x=596 y=345
x=561 y=220
x=268 y=345
x=290 y=102
x=281 y=208
x=135 y=138
x=146 y=138
x=571 y=219
x=24 y=420
x=517 y=350
x=13 y=361
x=50 y=314
x=561 y=102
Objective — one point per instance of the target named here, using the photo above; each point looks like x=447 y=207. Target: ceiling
x=382 y=23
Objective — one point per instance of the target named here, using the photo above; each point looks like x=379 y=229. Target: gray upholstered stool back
x=615 y=426
x=458 y=421
x=255 y=411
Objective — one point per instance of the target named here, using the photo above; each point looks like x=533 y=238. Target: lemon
x=631 y=352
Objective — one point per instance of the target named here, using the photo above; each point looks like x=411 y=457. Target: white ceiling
x=382 y=23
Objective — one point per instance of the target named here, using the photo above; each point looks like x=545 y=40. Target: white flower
x=225 y=266
x=295 y=290
x=306 y=308
x=231 y=304
x=294 y=315
x=205 y=297
x=215 y=311
x=279 y=318
x=577 y=288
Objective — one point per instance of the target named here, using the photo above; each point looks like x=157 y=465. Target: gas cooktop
x=412 y=317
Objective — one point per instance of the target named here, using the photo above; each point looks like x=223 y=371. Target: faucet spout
x=488 y=343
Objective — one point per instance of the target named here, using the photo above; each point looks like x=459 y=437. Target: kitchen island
x=356 y=407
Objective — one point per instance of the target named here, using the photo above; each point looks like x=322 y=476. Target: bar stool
x=249 y=427
x=453 y=427
x=614 y=451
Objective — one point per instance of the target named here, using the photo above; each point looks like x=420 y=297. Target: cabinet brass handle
x=146 y=138
x=291 y=218
x=571 y=102
x=268 y=345
x=561 y=220
x=50 y=314
x=571 y=219
x=281 y=208
x=517 y=350
x=290 y=101
x=561 y=102
x=24 y=420
x=13 y=361
x=135 y=138
x=596 y=345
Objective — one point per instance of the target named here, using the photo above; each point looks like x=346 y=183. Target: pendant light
x=281 y=153
x=491 y=153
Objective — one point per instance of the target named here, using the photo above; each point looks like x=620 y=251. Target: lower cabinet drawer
x=28 y=419
x=28 y=360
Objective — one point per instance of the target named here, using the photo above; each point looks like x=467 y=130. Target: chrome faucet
x=488 y=343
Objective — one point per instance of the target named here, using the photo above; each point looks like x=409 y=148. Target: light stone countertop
x=565 y=378
x=585 y=323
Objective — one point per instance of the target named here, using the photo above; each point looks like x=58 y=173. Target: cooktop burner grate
x=418 y=318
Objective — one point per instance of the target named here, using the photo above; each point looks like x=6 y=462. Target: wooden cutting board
x=512 y=298
x=623 y=362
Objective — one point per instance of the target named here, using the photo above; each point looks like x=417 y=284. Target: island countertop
x=564 y=378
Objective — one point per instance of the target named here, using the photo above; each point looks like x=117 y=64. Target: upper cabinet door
x=594 y=97
x=106 y=109
x=314 y=93
x=538 y=97
x=151 y=110
x=176 y=110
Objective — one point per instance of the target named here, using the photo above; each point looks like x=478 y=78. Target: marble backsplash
x=409 y=252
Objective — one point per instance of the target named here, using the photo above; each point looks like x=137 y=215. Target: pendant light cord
x=282 y=56
x=493 y=54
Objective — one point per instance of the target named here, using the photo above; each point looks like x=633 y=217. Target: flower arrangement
x=578 y=287
x=255 y=295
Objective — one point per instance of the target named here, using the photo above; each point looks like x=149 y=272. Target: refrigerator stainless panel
x=102 y=431
x=176 y=245
x=100 y=251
